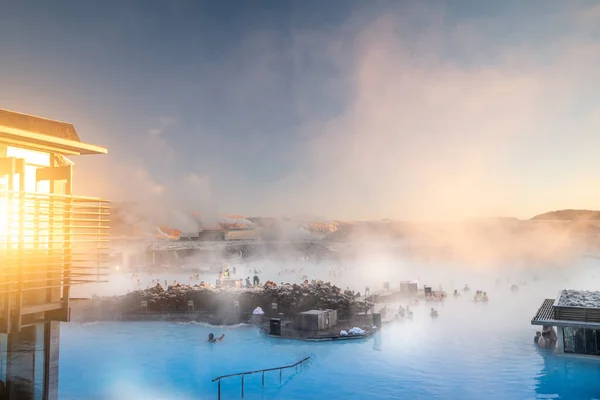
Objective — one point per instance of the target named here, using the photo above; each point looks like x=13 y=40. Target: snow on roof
x=579 y=298
x=186 y=245
x=313 y=312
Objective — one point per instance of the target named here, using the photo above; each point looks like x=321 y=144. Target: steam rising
x=421 y=118
x=407 y=144
x=419 y=136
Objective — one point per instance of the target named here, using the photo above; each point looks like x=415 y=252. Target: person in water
x=212 y=339
x=551 y=337
x=544 y=341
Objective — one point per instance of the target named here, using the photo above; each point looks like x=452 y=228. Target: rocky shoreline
x=218 y=305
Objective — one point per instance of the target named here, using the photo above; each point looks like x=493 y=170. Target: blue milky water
x=471 y=351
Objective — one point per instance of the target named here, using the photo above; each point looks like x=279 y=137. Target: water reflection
x=29 y=363
x=377 y=342
x=563 y=377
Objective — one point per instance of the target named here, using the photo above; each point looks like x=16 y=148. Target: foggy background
x=421 y=112
x=390 y=140
x=441 y=115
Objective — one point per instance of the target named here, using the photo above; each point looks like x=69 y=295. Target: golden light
x=49 y=238
x=18 y=224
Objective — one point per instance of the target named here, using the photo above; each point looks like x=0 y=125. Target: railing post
x=262 y=371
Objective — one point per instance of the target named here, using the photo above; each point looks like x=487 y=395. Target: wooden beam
x=42 y=308
x=37 y=146
x=59 y=143
x=54 y=173
x=7 y=166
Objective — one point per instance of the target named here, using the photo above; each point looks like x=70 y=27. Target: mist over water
x=453 y=123
x=447 y=255
x=373 y=273
x=470 y=351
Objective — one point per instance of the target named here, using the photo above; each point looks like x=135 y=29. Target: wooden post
x=68 y=241
x=7 y=167
x=242 y=386
x=20 y=166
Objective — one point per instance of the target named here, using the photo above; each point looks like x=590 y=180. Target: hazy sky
x=342 y=109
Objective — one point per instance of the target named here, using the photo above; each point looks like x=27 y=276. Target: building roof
x=545 y=312
x=579 y=298
x=313 y=312
x=546 y=316
x=43 y=134
x=35 y=124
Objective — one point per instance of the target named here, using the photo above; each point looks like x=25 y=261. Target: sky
x=337 y=109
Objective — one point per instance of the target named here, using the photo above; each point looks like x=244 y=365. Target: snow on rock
x=356 y=331
x=290 y=298
x=579 y=298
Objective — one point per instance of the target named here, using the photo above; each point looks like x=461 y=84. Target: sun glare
x=22 y=220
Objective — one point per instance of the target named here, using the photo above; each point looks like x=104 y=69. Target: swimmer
x=212 y=339
x=551 y=337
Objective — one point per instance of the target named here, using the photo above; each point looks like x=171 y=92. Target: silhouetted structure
x=49 y=240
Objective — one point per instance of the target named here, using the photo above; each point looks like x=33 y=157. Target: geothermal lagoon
x=471 y=351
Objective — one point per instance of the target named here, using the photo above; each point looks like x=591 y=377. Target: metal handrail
x=243 y=374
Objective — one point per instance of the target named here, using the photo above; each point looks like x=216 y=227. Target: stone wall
x=209 y=304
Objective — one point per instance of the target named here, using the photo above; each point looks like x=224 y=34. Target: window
x=590 y=342
x=568 y=336
x=32 y=157
x=3 y=355
x=581 y=341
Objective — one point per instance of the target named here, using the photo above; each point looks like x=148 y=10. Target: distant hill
x=358 y=231
x=569 y=215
